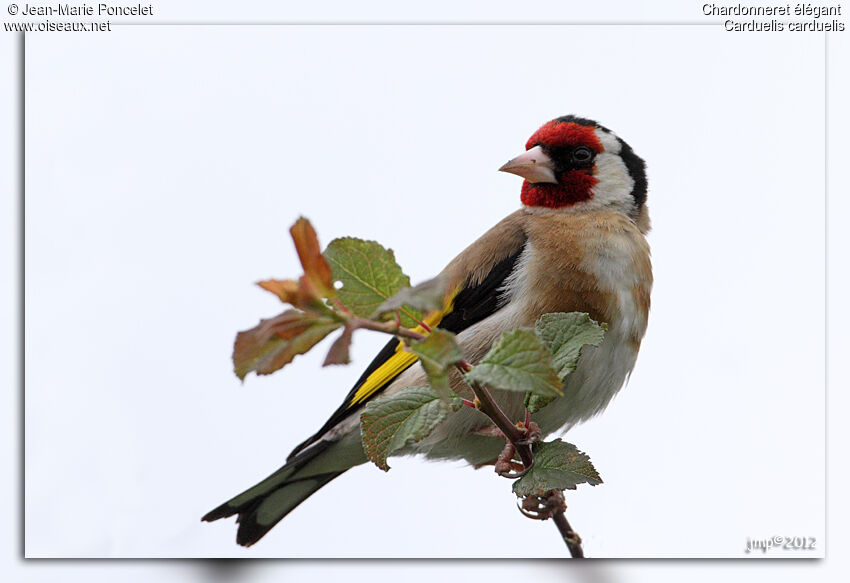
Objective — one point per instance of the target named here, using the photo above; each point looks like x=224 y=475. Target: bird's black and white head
x=574 y=164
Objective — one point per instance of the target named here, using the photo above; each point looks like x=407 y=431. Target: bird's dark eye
x=582 y=154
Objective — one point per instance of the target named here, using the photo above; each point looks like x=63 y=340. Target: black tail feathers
x=261 y=507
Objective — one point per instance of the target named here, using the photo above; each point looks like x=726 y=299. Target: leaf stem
x=341 y=307
x=464 y=366
x=413 y=317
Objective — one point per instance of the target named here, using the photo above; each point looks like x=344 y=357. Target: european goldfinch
x=576 y=245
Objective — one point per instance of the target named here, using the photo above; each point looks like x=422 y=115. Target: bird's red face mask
x=558 y=166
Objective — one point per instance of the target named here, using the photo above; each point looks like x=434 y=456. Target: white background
x=164 y=166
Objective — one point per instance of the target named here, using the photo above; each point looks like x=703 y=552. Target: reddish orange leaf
x=338 y=353
x=273 y=343
x=316 y=269
x=286 y=289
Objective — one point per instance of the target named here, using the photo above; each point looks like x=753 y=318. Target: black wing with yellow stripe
x=471 y=305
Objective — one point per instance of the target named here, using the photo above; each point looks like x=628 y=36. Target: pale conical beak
x=534 y=166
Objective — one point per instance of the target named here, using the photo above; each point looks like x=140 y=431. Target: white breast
x=603 y=371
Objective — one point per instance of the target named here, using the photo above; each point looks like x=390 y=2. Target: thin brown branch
x=552 y=505
x=515 y=437
x=387 y=328
x=488 y=406
x=571 y=537
x=518 y=440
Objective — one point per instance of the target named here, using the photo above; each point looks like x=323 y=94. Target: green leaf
x=369 y=275
x=389 y=423
x=274 y=342
x=437 y=354
x=565 y=334
x=422 y=298
x=518 y=361
x=558 y=465
x=536 y=402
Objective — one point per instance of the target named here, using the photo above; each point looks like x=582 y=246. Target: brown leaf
x=286 y=289
x=273 y=343
x=316 y=268
x=338 y=354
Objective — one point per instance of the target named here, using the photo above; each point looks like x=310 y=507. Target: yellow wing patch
x=399 y=361
x=394 y=365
